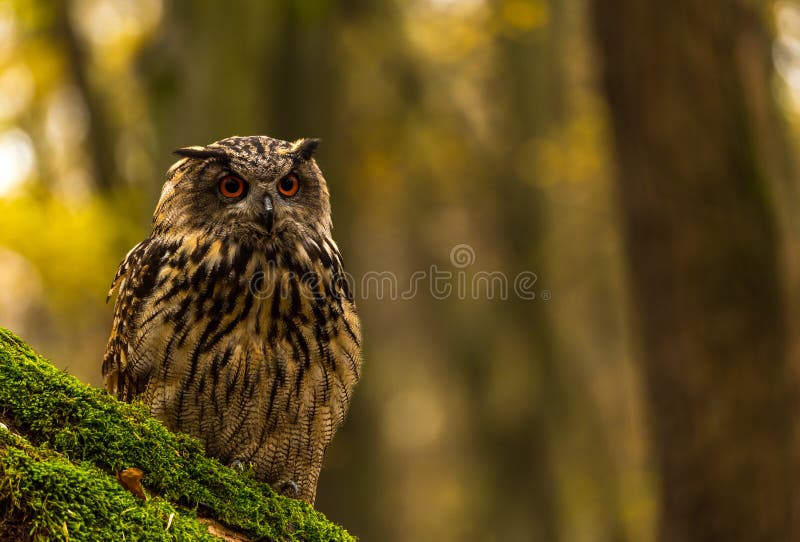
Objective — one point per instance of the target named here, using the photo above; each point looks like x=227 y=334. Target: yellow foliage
x=74 y=249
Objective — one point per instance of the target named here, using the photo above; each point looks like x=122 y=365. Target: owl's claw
x=237 y=464
x=287 y=488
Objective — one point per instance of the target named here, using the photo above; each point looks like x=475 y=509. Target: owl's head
x=253 y=189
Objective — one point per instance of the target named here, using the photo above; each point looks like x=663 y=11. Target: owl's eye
x=289 y=185
x=231 y=186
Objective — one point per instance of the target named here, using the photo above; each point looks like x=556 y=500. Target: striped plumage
x=234 y=321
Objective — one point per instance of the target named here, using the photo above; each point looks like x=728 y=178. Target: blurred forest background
x=638 y=157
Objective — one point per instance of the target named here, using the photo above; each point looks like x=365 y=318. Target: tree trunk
x=687 y=86
x=100 y=144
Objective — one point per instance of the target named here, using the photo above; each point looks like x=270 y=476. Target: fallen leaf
x=131 y=479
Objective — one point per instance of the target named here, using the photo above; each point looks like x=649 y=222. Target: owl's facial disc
x=269 y=213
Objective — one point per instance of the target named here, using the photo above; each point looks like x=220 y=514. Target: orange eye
x=289 y=185
x=231 y=186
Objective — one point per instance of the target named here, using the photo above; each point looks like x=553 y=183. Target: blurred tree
x=688 y=93
x=100 y=146
x=522 y=454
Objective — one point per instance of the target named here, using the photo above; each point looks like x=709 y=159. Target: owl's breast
x=311 y=336
x=242 y=350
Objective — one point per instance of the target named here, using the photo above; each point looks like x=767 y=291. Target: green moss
x=59 y=477
x=49 y=497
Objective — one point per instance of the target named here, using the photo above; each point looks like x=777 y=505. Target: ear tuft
x=307 y=147
x=200 y=152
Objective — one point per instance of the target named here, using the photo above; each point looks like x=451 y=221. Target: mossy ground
x=67 y=440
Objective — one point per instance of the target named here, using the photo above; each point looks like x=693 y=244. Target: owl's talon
x=236 y=464
x=287 y=488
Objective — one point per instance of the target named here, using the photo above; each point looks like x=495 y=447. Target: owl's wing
x=134 y=282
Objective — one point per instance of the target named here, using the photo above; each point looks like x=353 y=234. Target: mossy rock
x=63 y=442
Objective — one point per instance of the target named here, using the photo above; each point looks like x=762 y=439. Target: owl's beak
x=269 y=211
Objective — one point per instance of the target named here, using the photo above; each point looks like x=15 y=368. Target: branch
x=64 y=442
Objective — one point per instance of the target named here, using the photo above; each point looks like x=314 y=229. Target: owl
x=234 y=321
